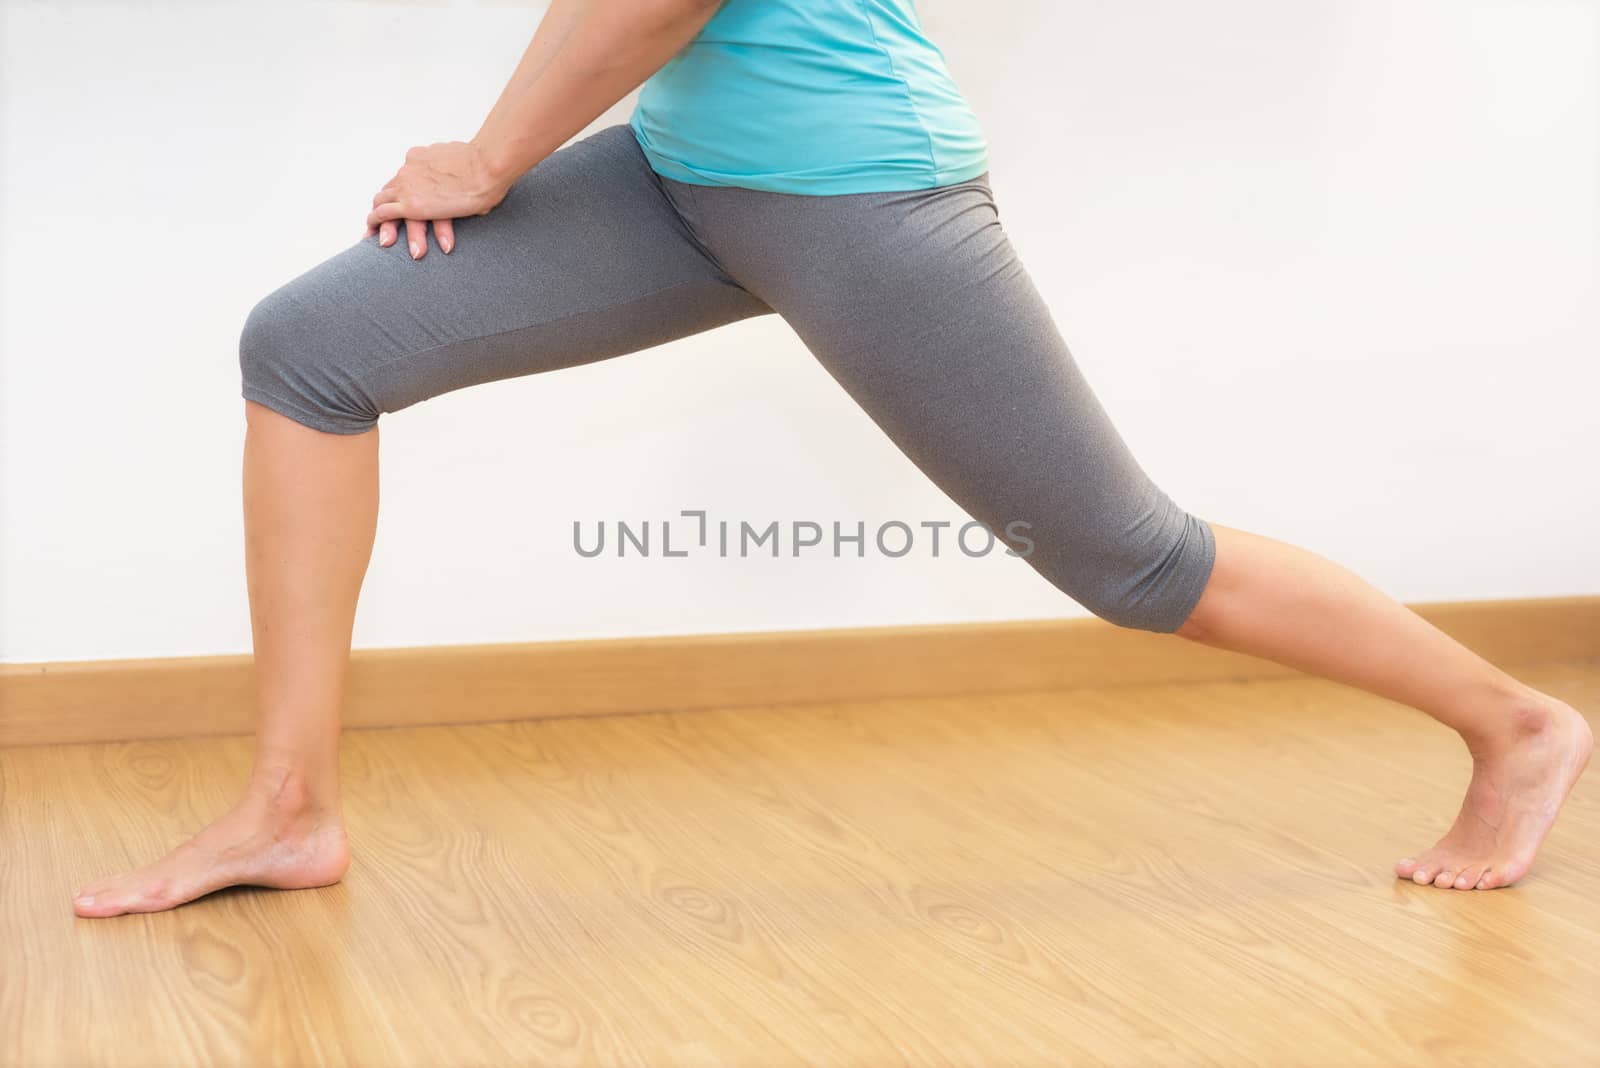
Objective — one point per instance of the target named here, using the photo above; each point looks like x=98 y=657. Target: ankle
x=291 y=793
x=1520 y=720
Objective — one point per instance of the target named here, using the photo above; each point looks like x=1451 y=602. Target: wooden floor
x=1173 y=875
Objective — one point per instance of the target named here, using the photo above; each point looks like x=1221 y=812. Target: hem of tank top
x=821 y=187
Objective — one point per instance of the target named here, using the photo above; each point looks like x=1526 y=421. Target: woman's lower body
x=916 y=304
x=913 y=301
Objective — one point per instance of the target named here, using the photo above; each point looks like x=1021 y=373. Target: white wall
x=1330 y=265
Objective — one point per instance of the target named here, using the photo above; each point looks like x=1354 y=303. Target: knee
x=291 y=360
x=1145 y=575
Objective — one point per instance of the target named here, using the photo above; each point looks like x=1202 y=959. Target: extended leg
x=916 y=303
x=1283 y=603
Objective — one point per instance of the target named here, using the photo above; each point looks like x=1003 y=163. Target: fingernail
x=447 y=246
x=415 y=251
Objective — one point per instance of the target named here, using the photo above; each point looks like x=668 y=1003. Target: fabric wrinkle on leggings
x=913 y=301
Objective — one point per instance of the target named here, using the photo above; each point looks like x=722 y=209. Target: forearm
x=595 y=52
x=553 y=28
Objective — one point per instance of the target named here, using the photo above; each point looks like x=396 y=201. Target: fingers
x=389 y=209
x=388 y=232
x=388 y=193
x=417 y=237
x=384 y=231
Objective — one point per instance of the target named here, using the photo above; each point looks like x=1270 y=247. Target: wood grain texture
x=108 y=700
x=1190 y=874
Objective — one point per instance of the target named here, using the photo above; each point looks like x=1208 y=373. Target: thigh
x=917 y=304
x=583 y=260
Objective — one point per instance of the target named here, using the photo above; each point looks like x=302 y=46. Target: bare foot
x=275 y=837
x=1518 y=785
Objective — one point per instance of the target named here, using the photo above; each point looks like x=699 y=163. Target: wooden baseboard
x=114 y=700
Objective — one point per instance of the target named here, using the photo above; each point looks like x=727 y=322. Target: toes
x=89 y=893
x=113 y=897
x=94 y=898
x=1507 y=874
x=1423 y=875
x=113 y=903
x=1467 y=877
x=1515 y=870
x=1444 y=878
x=1405 y=867
x=98 y=904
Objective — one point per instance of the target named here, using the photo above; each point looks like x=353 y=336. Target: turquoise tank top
x=809 y=96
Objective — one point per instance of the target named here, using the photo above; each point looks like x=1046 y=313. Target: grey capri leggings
x=914 y=302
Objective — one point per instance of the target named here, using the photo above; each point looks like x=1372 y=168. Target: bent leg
x=584 y=261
